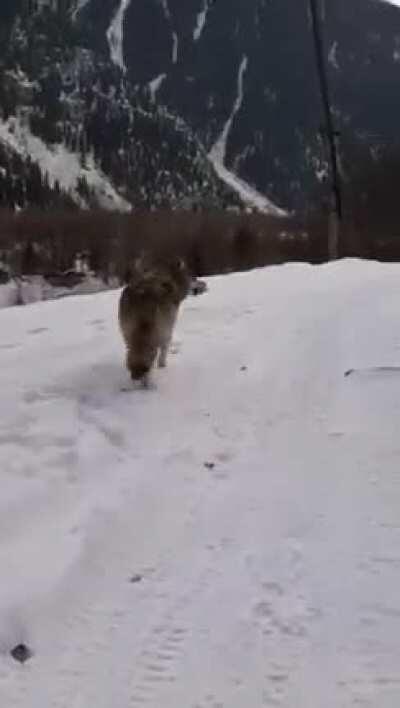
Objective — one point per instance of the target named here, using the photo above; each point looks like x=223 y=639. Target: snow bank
x=9 y=294
x=31 y=289
x=22 y=291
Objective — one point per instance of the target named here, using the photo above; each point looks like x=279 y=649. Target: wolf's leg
x=162 y=357
x=147 y=382
x=165 y=344
x=168 y=328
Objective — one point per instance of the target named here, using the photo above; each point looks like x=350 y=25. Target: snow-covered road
x=230 y=539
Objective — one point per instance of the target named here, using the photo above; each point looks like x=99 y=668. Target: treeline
x=47 y=241
x=22 y=184
x=73 y=96
x=33 y=241
x=41 y=242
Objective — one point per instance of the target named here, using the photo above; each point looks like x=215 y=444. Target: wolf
x=147 y=313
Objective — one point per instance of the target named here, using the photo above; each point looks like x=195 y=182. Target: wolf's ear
x=138 y=264
x=180 y=263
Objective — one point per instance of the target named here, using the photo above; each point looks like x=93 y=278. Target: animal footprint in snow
x=263 y=609
x=159 y=663
x=283 y=613
x=9 y=347
x=137 y=578
x=38 y=330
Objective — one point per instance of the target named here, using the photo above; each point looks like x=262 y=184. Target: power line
x=326 y=104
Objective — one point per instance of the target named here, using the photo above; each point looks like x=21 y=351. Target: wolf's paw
x=127 y=389
x=148 y=383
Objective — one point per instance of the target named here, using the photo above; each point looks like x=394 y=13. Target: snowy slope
x=115 y=35
x=60 y=164
x=217 y=155
x=228 y=539
x=201 y=20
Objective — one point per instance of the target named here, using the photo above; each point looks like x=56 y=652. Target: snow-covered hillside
x=75 y=130
x=116 y=82
x=60 y=165
x=230 y=538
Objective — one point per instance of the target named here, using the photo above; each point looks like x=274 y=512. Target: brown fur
x=148 y=309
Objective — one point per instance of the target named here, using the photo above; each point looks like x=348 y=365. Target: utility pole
x=335 y=215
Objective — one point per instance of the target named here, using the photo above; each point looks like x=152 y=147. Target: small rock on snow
x=136 y=578
x=21 y=653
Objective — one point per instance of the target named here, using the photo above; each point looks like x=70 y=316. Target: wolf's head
x=179 y=278
x=166 y=279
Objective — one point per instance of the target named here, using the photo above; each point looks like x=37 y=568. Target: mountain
x=191 y=103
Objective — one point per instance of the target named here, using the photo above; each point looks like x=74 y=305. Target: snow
x=9 y=293
x=201 y=20
x=248 y=194
x=34 y=288
x=175 y=47
x=155 y=85
x=166 y=10
x=217 y=155
x=21 y=291
x=60 y=164
x=332 y=55
x=175 y=40
x=115 y=35
x=80 y=4
x=219 y=149
x=256 y=509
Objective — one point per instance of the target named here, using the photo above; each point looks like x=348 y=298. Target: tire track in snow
x=284 y=618
x=159 y=664
x=56 y=518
